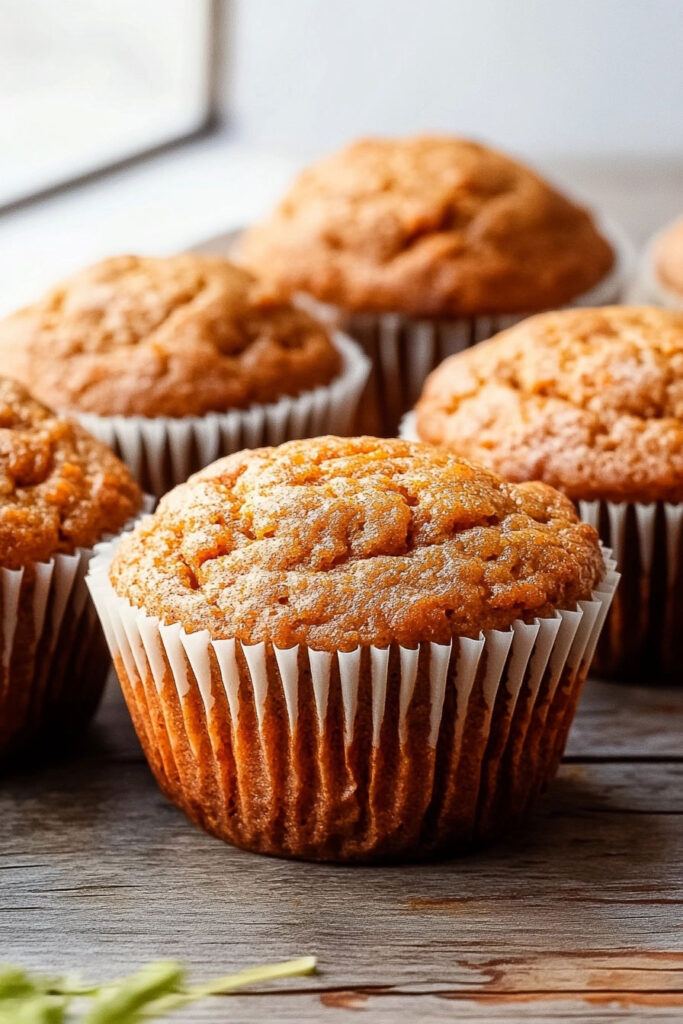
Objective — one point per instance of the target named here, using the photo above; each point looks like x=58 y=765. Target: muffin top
x=337 y=542
x=179 y=336
x=60 y=489
x=588 y=400
x=668 y=257
x=428 y=226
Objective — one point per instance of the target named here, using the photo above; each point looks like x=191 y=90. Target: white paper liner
x=163 y=451
x=48 y=622
x=549 y=649
x=642 y=634
x=646 y=288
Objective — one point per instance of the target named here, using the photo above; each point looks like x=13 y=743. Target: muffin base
x=163 y=451
x=404 y=350
x=371 y=755
x=53 y=657
x=643 y=637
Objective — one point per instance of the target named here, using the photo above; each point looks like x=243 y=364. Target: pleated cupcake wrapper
x=49 y=632
x=164 y=451
x=643 y=635
x=404 y=350
x=219 y=719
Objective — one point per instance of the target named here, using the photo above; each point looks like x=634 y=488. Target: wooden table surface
x=576 y=917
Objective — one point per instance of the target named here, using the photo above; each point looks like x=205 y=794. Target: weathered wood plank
x=98 y=869
x=621 y=721
x=389 y=1007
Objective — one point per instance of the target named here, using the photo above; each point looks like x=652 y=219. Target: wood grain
x=98 y=869
x=575 y=917
x=389 y=1007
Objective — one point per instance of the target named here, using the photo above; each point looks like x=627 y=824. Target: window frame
x=212 y=119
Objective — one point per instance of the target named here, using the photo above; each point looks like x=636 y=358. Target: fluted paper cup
x=365 y=755
x=53 y=656
x=163 y=451
x=643 y=638
x=404 y=350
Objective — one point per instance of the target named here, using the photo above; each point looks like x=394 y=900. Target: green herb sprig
x=154 y=991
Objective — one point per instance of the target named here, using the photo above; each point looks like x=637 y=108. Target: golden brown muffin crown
x=668 y=257
x=428 y=226
x=337 y=542
x=589 y=401
x=176 y=336
x=60 y=489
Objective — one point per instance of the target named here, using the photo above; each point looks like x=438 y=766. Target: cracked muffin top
x=60 y=488
x=337 y=542
x=427 y=226
x=178 y=336
x=668 y=257
x=588 y=400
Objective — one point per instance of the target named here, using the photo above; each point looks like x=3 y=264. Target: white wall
x=535 y=76
x=88 y=82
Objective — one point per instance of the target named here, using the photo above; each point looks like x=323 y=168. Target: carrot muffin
x=433 y=228
x=320 y=685
x=169 y=339
x=61 y=491
x=591 y=402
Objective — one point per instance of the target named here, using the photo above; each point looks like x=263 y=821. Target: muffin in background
x=591 y=402
x=177 y=360
x=425 y=246
x=660 y=276
x=61 y=492
x=353 y=649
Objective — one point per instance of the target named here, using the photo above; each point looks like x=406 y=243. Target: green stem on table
x=230 y=982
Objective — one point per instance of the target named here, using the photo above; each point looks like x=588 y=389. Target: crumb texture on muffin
x=177 y=336
x=60 y=488
x=428 y=226
x=337 y=542
x=668 y=257
x=589 y=401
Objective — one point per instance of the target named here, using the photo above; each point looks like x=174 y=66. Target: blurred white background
x=587 y=77
x=82 y=83
x=590 y=91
